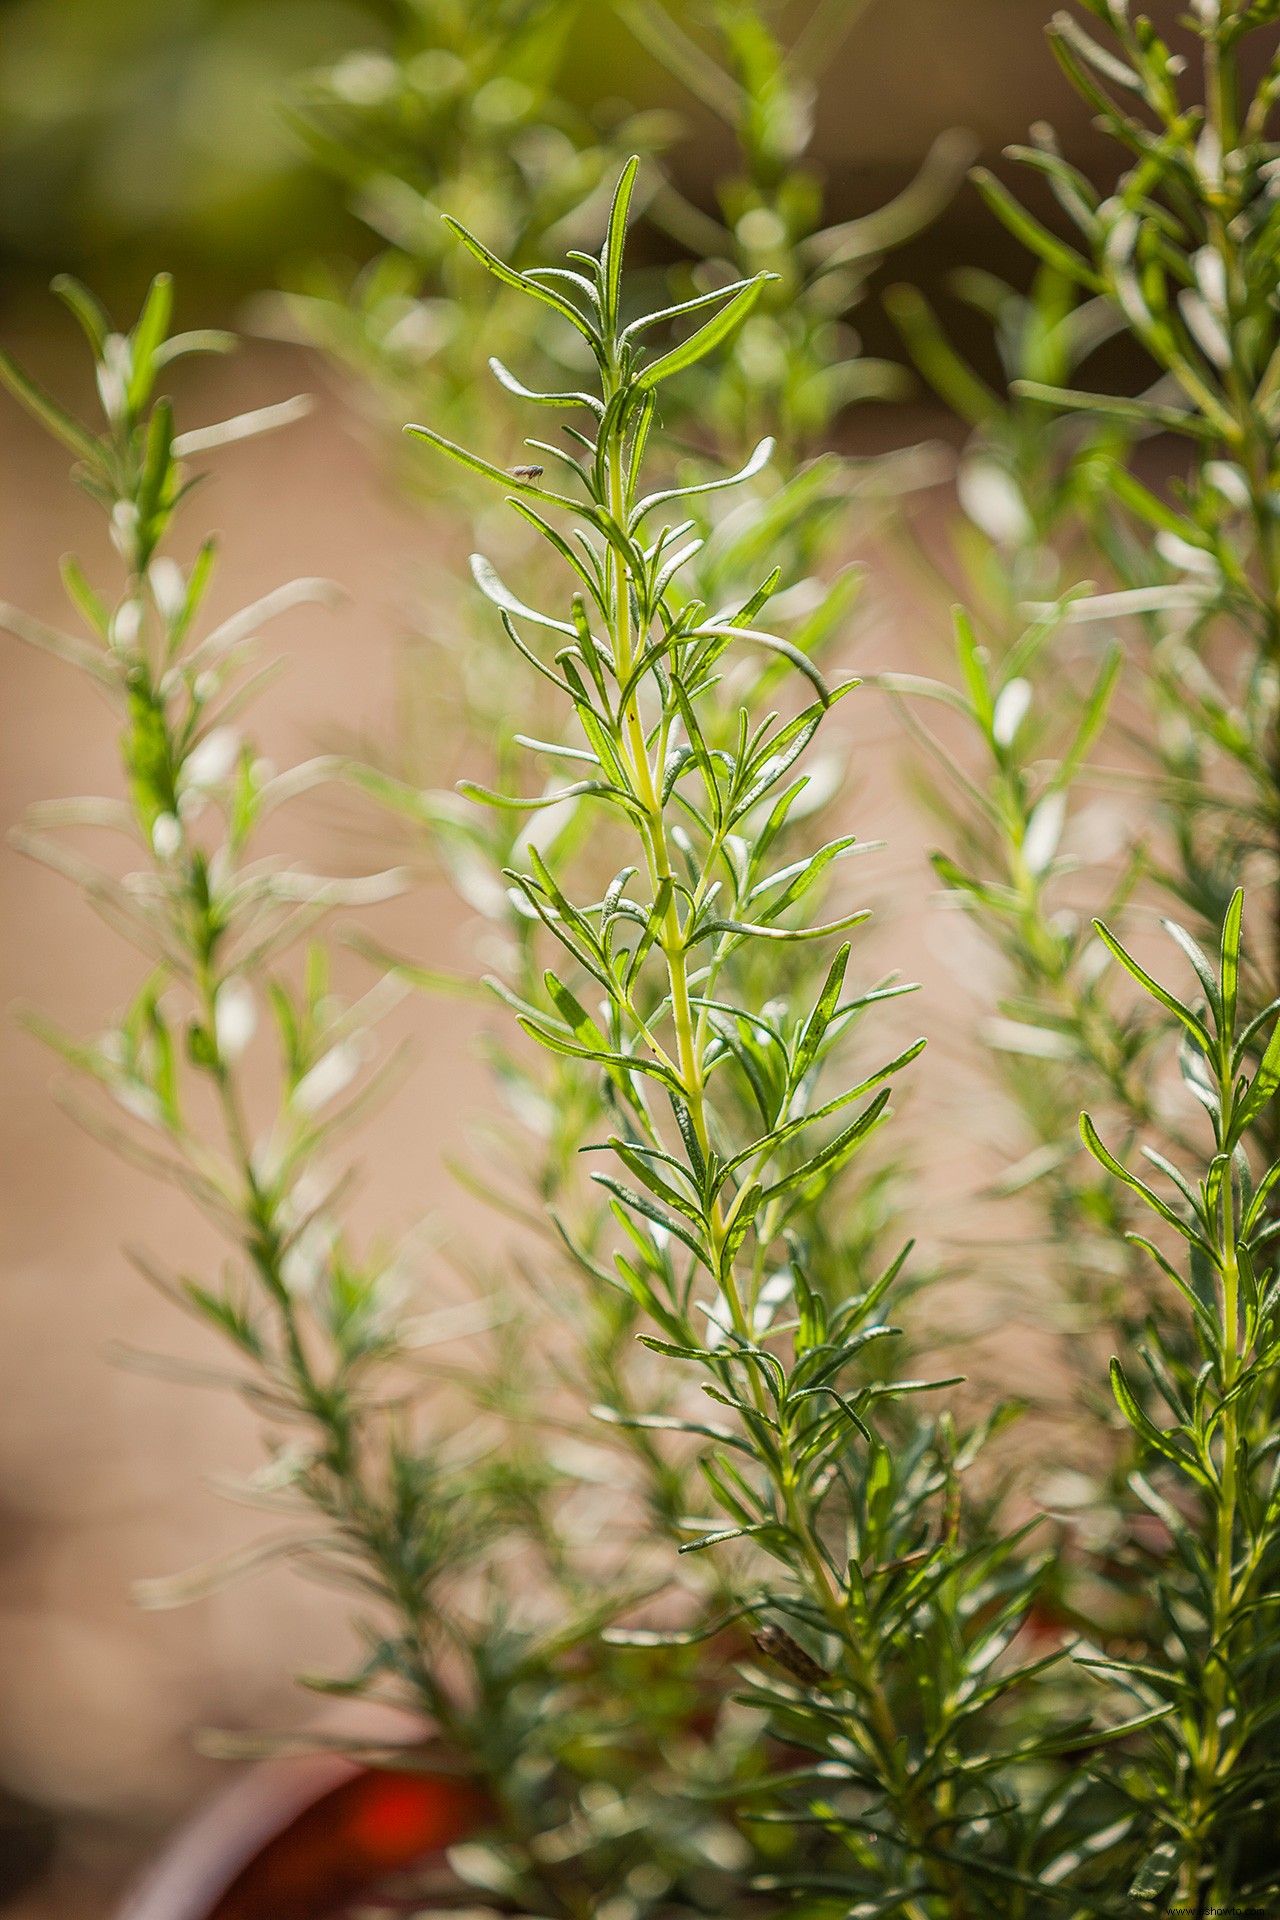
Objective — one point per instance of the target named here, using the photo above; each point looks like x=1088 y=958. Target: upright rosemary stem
x=868 y=1683
x=1209 y=1756
x=1224 y=1571
x=349 y=1500
x=726 y=1179
x=672 y=942
x=657 y=851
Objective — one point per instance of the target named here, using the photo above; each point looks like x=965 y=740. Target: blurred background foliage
x=148 y=132
x=149 y=127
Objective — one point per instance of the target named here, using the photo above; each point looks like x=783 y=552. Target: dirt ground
x=103 y=1472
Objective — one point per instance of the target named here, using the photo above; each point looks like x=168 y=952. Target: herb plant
x=1204 y=1791
x=796 y=367
x=1010 y=789
x=1179 y=255
x=795 y=513
x=467 y=116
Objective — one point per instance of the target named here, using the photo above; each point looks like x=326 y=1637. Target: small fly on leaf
x=526 y=473
x=777 y=1645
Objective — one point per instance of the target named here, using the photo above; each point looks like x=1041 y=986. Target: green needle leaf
x=510 y=481
x=524 y=283
x=616 y=243
x=1193 y=1024
x=1089 y=1134
x=707 y=338
x=1036 y=238
x=50 y=415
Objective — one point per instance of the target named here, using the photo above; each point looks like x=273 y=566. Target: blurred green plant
x=1055 y=1036
x=466 y=116
x=1008 y=774
x=1028 y=478
x=469 y=116
x=796 y=364
x=153 y=126
x=1184 y=250
x=411 y=1484
x=1059 y=480
x=1180 y=255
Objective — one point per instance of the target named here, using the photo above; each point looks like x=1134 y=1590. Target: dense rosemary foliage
x=793 y=362
x=1181 y=254
x=1205 y=1794
x=797 y=365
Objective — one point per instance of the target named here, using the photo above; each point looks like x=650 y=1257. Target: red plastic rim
x=369 y=1826
x=302 y=1839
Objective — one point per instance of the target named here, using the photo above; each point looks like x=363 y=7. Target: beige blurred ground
x=100 y=1470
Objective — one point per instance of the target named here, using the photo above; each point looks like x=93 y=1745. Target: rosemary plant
x=468 y=117
x=799 y=521
x=882 y=1603
x=1051 y=467
x=1036 y=697
x=1007 y=793
x=1184 y=250
x=911 y=1743
x=1178 y=255
x=377 y=1484
x=1181 y=253
x=1029 y=477
x=1204 y=1792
